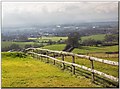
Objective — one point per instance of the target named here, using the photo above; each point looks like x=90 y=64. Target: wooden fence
x=45 y=53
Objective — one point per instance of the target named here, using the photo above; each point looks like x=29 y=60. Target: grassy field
x=108 y=69
x=49 y=38
x=21 y=44
x=91 y=51
x=84 y=49
x=95 y=37
x=28 y=72
x=46 y=39
x=58 y=47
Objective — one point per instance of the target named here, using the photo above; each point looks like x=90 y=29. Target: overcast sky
x=48 y=13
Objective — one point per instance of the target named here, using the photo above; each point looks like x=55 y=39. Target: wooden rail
x=92 y=70
x=77 y=55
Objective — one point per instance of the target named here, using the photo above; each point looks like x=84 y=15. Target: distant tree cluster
x=16 y=47
x=91 y=42
x=111 y=38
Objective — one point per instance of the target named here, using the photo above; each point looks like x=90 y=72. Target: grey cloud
x=18 y=14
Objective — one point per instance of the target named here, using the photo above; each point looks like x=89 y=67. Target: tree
x=111 y=38
x=72 y=41
x=90 y=42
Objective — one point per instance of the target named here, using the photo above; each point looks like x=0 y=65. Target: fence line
x=77 y=55
x=92 y=70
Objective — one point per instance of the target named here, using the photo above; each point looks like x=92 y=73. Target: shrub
x=14 y=54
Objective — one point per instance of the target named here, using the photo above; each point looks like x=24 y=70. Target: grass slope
x=27 y=72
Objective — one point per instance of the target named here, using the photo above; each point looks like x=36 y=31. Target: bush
x=28 y=46
x=14 y=54
x=90 y=42
x=15 y=47
x=111 y=38
x=109 y=43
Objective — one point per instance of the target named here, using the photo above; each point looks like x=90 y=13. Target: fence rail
x=77 y=55
x=45 y=53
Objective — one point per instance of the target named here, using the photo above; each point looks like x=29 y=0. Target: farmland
x=58 y=47
x=46 y=39
x=21 y=44
x=95 y=37
x=53 y=38
x=26 y=72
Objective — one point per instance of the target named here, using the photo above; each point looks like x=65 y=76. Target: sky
x=16 y=14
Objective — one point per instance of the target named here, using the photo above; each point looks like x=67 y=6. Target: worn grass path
x=27 y=72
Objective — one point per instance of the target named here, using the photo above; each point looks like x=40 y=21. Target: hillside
x=18 y=71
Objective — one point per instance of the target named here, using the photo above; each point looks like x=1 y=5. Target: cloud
x=46 y=13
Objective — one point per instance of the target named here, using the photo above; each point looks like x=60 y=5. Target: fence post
x=63 y=64
x=54 y=60
x=41 y=56
x=92 y=67
x=32 y=53
x=47 y=53
x=37 y=54
x=73 y=67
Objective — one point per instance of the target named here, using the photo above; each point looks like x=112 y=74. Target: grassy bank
x=27 y=72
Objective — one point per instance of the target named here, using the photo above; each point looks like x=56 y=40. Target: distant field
x=46 y=39
x=84 y=49
x=95 y=37
x=49 y=38
x=21 y=44
x=90 y=49
x=58 y=47
x=93 y=51
x=26 y=72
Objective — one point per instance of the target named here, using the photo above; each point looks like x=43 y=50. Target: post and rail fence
x=40 y=53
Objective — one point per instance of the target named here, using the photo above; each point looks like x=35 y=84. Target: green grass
x=90 y=49
x=93 y=51
x=21 y=44
x=28 y=72
x=8 y=43
x=49 y=38
x=58 y=47
x=95 y=37
x=108 y=69
x=84 y=49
